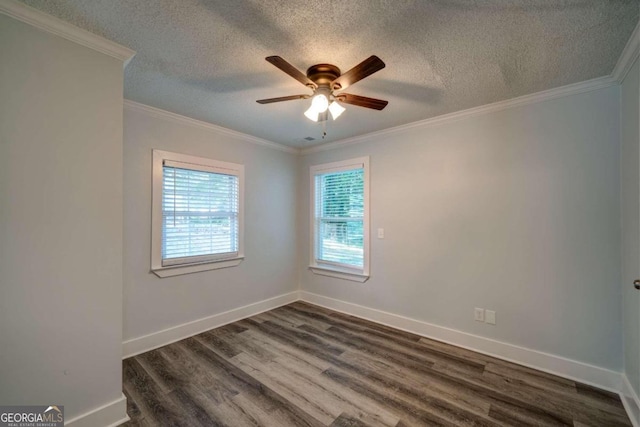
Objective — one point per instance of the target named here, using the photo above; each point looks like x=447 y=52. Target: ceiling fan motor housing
x=323 y=74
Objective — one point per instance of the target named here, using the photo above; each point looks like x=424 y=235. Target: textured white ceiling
x=205 y=58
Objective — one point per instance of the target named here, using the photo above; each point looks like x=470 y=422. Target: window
x=197 y=214
x=340 y=219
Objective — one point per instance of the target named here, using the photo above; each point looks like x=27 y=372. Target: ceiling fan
x=325 y=80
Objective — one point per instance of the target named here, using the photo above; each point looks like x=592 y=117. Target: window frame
x=327 y=268
x=208 y=165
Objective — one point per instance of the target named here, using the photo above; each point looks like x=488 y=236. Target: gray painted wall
x=60 y=221
x=630 y=191
x=152 y=304
x=516 y=211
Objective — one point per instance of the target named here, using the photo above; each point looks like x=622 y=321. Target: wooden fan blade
x=291 y=70
x=362 y=101
x=364 y=69
x=282 y=98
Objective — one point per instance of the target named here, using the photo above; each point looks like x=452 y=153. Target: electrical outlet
x=380 y=233
x=479 y=314
x=490 y=317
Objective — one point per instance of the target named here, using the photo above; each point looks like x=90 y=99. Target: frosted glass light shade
x=320 y=103
x=312 y=113
x=336 y=109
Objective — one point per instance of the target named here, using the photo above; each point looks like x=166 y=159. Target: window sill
x=339 y=274
x=195 y=268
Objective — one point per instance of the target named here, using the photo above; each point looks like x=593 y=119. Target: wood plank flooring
x=303 y=365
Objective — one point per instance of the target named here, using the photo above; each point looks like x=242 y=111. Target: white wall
x=516 y=211
x=630 y=191
x=60 y=222
x=152 y=304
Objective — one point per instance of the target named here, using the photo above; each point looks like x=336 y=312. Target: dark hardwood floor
x=302 y=365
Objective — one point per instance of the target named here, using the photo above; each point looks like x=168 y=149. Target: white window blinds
x=199 y=214
x=339 y=218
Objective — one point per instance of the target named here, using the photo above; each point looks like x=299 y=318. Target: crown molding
x=50 y=24
x=559 y=92
x=177 y=118
x=628 y=56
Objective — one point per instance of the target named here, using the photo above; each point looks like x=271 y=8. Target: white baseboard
x=630 y=401
x=110 y=415
x=145 y=343
x=567 y=368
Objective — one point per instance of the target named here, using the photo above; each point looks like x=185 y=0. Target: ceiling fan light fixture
x=336 y=109
x=319 y=104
